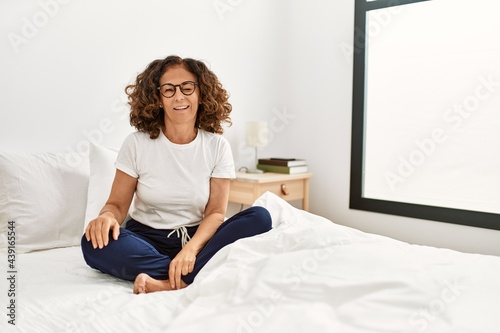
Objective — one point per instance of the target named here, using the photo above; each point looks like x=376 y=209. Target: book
x=282 y=161
x=283 y=169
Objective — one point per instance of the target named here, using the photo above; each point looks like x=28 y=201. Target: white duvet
x=306 y=275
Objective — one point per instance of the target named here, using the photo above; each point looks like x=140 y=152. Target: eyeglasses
x=168 y=90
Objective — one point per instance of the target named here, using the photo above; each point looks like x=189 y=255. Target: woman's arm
x=114 y=211
x=215 y=212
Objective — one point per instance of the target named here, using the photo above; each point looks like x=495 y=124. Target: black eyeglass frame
x=180 y=88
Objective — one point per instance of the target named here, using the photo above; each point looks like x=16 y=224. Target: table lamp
x=256 y=135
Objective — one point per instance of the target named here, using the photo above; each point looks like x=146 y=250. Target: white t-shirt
x=173 y=179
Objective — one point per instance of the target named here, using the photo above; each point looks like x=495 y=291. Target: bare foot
x=144 y=284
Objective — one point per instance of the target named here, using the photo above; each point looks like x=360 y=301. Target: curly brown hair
x=144 y=98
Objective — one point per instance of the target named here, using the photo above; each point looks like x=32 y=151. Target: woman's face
x=180 y=108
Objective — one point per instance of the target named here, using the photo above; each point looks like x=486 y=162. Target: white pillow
x=102 y=172
x=44 y=195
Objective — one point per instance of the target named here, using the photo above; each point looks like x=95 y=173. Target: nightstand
x=247 y=187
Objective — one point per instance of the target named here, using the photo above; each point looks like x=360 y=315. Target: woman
x=179 y=167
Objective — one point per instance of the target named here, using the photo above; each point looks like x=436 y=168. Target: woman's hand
x=98 y=229
x=114 y=210
x=184 y=261
x=182 y=264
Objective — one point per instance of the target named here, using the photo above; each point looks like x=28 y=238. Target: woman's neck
x=180 y=134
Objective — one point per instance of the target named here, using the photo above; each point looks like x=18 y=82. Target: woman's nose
x=178 y=95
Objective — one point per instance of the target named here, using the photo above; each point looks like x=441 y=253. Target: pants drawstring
x=182 y=233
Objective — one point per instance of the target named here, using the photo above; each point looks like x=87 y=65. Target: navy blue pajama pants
x=142 y=249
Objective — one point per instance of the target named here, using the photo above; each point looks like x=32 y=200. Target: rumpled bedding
x=307 y=274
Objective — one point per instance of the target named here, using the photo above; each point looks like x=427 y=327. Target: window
x=426 y=101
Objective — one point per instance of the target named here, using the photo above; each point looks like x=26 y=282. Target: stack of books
x=282 y=165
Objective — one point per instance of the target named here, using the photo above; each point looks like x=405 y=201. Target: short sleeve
x=126 y=160
x=224 y=166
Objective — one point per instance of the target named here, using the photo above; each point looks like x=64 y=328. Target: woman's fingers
x=178 y=279
x=188 y=267
x=98 y=232
x=177 y=276
x=100 y=238
x=172 y=274
x=87 y=233
x=116 y=231
x=178 y=267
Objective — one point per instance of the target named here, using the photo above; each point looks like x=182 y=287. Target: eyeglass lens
x=168 y=90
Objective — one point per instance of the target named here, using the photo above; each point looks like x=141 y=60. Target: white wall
x=319 y=92
x=65 y=65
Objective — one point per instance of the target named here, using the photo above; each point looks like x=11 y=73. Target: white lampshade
x=256 y=134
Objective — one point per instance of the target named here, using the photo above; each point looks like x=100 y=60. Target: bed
x=308 y=274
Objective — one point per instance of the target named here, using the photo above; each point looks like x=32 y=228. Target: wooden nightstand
x=247 y=187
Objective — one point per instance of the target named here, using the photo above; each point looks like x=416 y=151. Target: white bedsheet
x=306 y=275
x=58 y=292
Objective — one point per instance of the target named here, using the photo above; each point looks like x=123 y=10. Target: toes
x=140 y=283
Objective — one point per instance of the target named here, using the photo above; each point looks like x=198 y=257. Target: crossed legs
x=135 y=259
